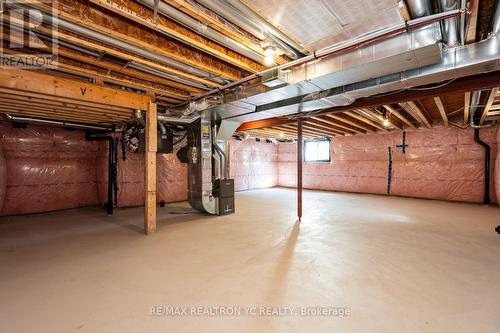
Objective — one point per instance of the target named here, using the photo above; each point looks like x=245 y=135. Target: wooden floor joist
x=349 y=122
x=398 y=114
x=329 y=120
x=120 y=10
x=191 y=61
x=364 y=120
x=442 y=110
x=489 y=102
x=414 y=110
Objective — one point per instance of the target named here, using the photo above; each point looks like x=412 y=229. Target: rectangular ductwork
x=311 y=81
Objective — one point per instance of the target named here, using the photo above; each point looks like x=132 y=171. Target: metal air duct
x=450 y=27
x=419 y=8
x=204 y=30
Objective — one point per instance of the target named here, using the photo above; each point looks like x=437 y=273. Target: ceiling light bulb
x=269 y=55
x=269 y=60
x=386 y=123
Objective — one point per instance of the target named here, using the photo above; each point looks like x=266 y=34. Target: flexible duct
x=121 y=44
x=206 y=31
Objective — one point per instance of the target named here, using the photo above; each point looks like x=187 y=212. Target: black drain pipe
x=111 y=166
x=486 y=147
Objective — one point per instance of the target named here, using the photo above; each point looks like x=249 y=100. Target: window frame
x=329 y=160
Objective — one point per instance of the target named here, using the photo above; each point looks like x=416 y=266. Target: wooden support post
x=299 y=169
x=150 y=172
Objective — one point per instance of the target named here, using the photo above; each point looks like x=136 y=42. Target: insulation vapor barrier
x=441 y=164
x=253 y=164
x=46 y=168
x=496 y=169
x=171 y=174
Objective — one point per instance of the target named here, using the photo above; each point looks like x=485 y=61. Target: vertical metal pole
x=299 y=168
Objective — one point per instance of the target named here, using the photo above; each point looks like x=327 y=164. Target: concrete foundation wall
x=440 y=163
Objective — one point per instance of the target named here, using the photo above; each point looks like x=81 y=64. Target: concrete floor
x=397 y=264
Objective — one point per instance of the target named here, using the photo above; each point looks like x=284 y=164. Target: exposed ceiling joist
x=364 y=119
x=442 y=110
x=348 y=121
x=128 y=14
x=414 y=110
x=489 y=102
x=322 y=129
x=461 y=85
x=324 y=119
x=399 y=115
x=467 y=97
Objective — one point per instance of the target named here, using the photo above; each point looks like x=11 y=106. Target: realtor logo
x=28 y=33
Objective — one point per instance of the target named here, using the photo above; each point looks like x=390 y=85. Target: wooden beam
x=41 y=83
x=442 y=110
x=150 y=172
x=398 y=115
x=46 y=99
x=77 y=108
x=365 y=120
x=489 y=102
x=467 y=97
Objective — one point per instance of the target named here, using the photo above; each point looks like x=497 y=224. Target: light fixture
x=281 y=134
x=269 y=55
x=385 y=119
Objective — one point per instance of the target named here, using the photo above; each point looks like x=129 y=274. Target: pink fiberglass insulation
x=171 y=175
x=48 y=168
x=253 y=164
x=440 y=163
x=497 y=168
x=3 y=177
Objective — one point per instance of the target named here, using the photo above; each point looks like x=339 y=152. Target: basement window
x=317 y=151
